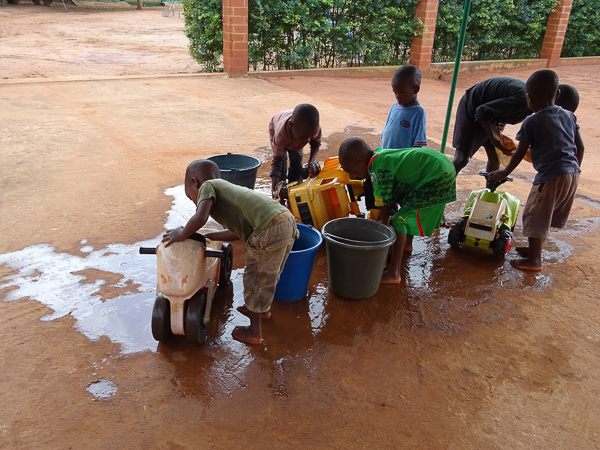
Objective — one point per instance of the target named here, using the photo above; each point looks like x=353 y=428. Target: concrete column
x=421 y=47
x=555 y=32
x=235 y=37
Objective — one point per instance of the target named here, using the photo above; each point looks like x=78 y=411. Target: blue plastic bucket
x=237 y=168
x=293 y=281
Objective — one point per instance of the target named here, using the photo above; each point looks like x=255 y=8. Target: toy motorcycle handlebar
x=485 y=174
x=196 y=237
x=493 y=184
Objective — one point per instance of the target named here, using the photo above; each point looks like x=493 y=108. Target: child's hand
x=276 y=192
x=313 y=169
x=175 y=235
x=498 y=175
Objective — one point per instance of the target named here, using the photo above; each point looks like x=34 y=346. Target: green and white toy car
x=488 y=221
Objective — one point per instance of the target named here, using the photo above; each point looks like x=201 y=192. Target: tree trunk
x=139 y=4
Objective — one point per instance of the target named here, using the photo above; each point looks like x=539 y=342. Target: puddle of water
x=52 y=279
x=102 y=389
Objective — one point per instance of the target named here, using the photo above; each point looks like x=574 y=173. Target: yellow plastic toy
x=330 y=195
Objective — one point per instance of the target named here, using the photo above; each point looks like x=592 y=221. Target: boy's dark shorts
x=468 y=135
x=295 y=166
x=549 y=205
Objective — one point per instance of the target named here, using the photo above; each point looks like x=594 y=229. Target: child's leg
x=295 y=172
x=408 y=247
x=548 y=204
x=266 y=254
x=468 y=136
x=533 y=261
x=493 y=162
x=391 y=275
x=246 y=312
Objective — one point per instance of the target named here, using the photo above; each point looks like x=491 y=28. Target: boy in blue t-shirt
x=405 y=125
x=556 y=153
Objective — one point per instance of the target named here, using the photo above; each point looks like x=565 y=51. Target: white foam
x=49 y=278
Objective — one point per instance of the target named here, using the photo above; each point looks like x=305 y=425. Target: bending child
x=289 y=132
x=556 y=153
x=421 y=180
x=267 y=227
x=497 y=100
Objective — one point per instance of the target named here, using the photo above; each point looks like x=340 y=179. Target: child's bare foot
x=245 y=311
x=245 y=335
x=522 y=251
x=390 y=278
x=526 y=264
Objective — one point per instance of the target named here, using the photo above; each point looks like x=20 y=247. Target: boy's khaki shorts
x=549 y=205
x=266 y=254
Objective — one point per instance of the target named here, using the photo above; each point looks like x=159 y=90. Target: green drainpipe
x=459 y=50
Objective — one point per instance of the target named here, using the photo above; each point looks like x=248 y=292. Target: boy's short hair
x=543 y=84
x=351 y=149
x=202 y=167
x=569 y=97
x=306 y=116
x=409 y=73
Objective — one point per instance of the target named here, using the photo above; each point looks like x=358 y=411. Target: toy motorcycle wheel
x=502 y=245
x=161 y=319
x=226 y=264
x=456 y=235
x=195 y=328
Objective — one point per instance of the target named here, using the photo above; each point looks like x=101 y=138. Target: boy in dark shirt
x=556 y=153
x=497 y=100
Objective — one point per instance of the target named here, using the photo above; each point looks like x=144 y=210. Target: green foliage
x=583 y=32
x=297 y=34
x=204 y=28
x=497 y=29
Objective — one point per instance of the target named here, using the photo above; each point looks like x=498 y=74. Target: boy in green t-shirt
x=267 y=227
x=421 y=180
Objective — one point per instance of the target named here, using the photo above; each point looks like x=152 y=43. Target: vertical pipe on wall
x=459 y=51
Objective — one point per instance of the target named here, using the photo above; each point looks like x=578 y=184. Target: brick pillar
x=555 y=32
x=235 y=37
x=422 y=46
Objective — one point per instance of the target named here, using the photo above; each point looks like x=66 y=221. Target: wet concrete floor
x=442 y=293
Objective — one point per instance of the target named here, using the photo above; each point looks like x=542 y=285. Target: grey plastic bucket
x=356 y=253
x=237 y=168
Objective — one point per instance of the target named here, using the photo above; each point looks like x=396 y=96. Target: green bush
x=497 y=29
x=203 y=21
x=583 y=32
x=297 y=34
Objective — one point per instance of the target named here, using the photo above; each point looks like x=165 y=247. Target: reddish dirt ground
x=101 y=112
